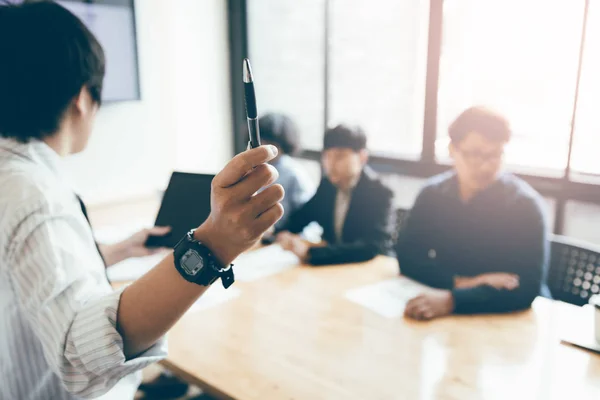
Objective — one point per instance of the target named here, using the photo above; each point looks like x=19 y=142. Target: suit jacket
x=368 y=227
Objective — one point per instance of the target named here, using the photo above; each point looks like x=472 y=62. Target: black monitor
x=185 y=205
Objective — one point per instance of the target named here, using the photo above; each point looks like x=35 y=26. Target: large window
x=286 y=46
x=519 y=57
x=378 y=60
x=404 y=69
x=586 y=140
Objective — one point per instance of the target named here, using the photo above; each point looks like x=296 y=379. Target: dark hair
x=484 y=121
x=345 y=137
x=48 y=55
x=280 y=130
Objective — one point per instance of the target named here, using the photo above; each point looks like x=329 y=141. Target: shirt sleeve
x=58 y=279
x=414 y=259
x=526 y=255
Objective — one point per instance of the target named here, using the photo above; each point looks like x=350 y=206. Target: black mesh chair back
x=574 y=273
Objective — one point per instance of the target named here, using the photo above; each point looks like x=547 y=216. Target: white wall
x=183 y=121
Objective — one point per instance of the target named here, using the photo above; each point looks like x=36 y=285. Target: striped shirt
x=58 y=337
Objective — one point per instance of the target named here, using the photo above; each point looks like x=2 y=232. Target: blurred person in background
x=280 y=131
x=352 y=205
x=476 y=233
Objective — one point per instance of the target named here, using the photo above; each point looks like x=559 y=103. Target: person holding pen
x=64 y=333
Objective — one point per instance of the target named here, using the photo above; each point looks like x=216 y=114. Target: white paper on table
x=263 y=262
x=116 y=233
x=133 y=268
x=215 y=295
x=387 y=298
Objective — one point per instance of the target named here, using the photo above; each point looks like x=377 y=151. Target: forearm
x=113 y=253
x=486 y=299
x=343 y=253
x=425 y=273
x=151 y=305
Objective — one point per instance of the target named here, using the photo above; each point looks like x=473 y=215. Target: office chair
x=574 y=273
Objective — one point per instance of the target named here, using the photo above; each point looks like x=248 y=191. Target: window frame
x=561 y=189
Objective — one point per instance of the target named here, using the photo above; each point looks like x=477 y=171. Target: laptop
x=185 y=205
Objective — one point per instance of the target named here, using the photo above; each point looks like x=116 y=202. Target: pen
x=251 y=111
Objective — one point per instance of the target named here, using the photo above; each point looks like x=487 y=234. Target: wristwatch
x=196 y=263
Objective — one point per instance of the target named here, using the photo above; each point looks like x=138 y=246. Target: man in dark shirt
x=352 y=205
x=476 y=233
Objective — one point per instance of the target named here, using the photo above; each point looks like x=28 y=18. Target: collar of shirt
x=495 y=189
x=342 y=204
x=36 y=151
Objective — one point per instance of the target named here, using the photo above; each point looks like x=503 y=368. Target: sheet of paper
x=387 y=298
x=214 y=296
x=263 y=262
x=116 y=233
x=133 y=268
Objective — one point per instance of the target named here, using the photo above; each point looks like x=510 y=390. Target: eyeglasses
x=479 y=157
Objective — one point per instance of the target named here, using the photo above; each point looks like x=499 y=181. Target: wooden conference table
x=294 y=336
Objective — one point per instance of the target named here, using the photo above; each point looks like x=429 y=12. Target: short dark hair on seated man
x=343 y=136
x=482 y=120
x=280 y=130
x=48 y=55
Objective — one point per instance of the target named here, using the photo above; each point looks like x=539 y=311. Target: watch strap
x=212 y=269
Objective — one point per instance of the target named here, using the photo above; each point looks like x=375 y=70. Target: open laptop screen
x=185 y=205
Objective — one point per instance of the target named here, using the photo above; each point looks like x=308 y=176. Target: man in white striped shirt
x=64 y=333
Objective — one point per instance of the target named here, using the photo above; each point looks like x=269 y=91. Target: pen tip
x=247 y=76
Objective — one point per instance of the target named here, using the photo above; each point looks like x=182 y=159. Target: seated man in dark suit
x=476 y=233
x=352 y=205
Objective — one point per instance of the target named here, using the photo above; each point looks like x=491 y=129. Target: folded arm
x=525 y=256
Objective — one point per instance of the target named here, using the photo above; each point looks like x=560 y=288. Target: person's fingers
x=158 y=230
x=411 y=306
x=260 y=177
x=266 y=199
x=242 y=164
x=413 y=312
x=420 y=310
x=284 y=242
x=286 y=246
x=284 y=239
x=268 y=218
x=156 y=250
x=281 y=236
x=408 y=312
x=429 y=314
x=511 y=283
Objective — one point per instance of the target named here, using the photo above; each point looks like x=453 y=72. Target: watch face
x=191 y=262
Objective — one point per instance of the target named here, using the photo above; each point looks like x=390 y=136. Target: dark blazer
x=368 y=228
